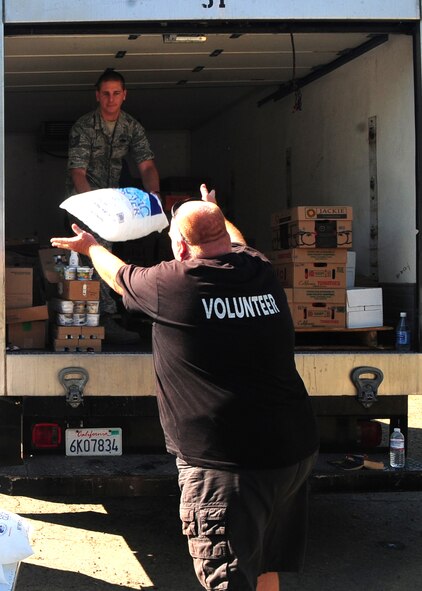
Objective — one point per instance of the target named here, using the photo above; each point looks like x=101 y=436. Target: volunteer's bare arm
x=80 y=182
x=234 y=233
x=106 y=264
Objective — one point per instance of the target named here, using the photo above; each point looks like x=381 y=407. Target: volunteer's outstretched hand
x=207 y=196
x=80 y=243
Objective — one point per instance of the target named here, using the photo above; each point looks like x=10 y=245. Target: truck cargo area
x=271 y=116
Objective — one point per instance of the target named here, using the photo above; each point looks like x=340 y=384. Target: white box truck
x=275 y=104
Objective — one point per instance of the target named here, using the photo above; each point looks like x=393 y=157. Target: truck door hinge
x=73 y=380
x=367 y=387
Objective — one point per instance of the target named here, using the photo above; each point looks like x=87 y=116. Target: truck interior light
x=174 y=38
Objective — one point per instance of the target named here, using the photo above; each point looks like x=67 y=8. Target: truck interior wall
x=245 y=152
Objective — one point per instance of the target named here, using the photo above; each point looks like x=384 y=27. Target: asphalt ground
x=356 y=541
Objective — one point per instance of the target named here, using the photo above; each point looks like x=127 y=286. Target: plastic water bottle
x=73 y=259
x=403 y=334
x=59 y=265
x=397 y=457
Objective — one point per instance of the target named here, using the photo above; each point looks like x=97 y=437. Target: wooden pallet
x=319 y=338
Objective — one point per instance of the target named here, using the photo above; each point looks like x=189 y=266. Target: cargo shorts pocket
x=206 y=531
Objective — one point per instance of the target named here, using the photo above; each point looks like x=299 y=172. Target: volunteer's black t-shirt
x=229 y=393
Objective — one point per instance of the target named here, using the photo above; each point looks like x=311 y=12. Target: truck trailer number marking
x=211 y=4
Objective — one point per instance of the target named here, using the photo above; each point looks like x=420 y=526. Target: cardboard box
x=92 y=332
x=309 y=255
x=318 y=315
x=364 y=307
x=89 y=345
x=19 y=287
x=289 y=294
x=14 y=316
x=319 y=295
x=86 y=345
x=65 y=332
x=350 y=268
x=65 y=344
x=312 y=212
x=313 y=234
x=48 y=262
x=79 y=290
x=28 y=335
x=311 y=275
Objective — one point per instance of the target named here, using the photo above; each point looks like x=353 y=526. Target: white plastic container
x=70 y=273
x=92 y=307
x=92 y=319
x=79 y=319
x=64 y=319
x=83 y=273
x=79 y=307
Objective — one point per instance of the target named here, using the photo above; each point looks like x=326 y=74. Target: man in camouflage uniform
x=98 y=143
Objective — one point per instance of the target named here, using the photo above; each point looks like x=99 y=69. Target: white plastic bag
x=14 y=538
x=3 y=580
x=118 y=215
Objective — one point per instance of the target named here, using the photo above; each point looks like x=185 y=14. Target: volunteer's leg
x=268 y=582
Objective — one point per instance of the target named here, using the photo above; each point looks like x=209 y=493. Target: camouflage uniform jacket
x=100 y=152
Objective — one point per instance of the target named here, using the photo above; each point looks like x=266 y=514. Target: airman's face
x=110 y=96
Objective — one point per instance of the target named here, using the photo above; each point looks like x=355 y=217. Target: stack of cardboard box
x=68 y=304
x=26 y=324
x=312 y=257
x=310 y=251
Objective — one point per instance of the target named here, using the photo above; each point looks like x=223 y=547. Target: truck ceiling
x=191 y=76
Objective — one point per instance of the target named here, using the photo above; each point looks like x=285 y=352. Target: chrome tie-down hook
x=367 y=387
x=73 y=380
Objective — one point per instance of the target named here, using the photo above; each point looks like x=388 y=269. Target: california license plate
x=95 y=441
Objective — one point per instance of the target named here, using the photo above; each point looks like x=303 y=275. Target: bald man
x=233 y=407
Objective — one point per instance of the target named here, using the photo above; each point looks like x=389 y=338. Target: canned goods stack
x=73 y=299
x=75 y=312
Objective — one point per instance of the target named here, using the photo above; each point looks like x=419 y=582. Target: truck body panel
x=325 y=374
x=28 y=11
x=335 y=127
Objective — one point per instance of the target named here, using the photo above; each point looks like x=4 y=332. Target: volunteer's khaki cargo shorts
x=243 y=523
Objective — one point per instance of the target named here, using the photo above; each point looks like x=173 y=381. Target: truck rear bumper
x=156 y=475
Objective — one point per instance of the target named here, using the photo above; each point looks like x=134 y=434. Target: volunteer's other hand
x=80 y=243
x=207 y=196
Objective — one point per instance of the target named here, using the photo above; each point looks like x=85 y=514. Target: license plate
x=97 y=441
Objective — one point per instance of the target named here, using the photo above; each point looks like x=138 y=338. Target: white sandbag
x=14 y=538
x=118 y=215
